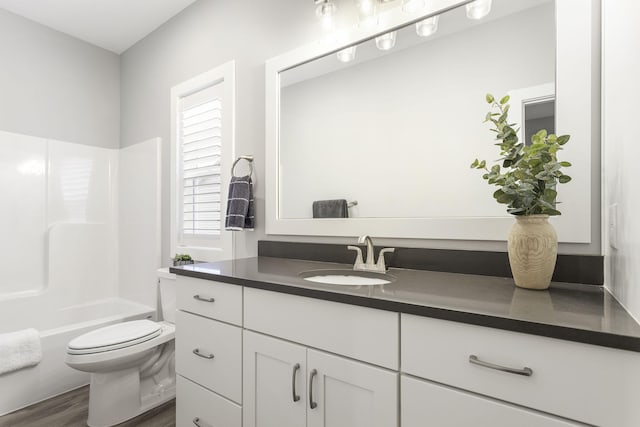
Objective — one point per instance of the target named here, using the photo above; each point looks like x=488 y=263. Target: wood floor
x=70 y=410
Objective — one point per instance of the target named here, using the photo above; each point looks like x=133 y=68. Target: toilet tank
x=167 y=295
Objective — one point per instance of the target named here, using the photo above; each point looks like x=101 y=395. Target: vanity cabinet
x=248 y=357
x=208 y=353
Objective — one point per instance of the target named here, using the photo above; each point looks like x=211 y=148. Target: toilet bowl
x=131 y=363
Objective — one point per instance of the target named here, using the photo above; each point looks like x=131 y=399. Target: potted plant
x=182 y=259
x=527 y=177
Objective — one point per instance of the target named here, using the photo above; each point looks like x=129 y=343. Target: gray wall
x=55 y=86
x=206 y=35
x=212 y=32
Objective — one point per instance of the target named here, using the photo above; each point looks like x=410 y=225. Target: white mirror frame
x=573 y=116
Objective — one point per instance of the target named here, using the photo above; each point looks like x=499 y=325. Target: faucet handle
x=359 y=263
x=380 y=266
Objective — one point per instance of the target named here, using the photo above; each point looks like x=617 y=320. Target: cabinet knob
x=196 y=421
x=527 y=372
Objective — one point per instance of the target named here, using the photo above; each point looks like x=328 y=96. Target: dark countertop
x=574 y=312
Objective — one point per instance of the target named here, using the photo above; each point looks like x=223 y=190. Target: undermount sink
x=347 y=277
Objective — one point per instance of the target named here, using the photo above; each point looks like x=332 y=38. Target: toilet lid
x=114 y=337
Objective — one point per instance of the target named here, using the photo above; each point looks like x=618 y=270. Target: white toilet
x=132 y=363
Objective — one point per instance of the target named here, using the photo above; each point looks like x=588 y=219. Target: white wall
x=390 y=131
x=212 y=32
x=55 y=86
x=621 y=86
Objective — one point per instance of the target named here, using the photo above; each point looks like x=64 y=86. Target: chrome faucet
x=369 y=265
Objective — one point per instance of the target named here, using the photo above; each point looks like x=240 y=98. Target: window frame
x=215 y=247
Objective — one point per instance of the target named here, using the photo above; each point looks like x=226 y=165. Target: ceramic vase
x=533 y=248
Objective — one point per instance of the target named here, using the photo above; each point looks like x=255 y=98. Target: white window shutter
x=201 y=151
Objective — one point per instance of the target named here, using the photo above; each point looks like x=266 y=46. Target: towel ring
x=249 y=159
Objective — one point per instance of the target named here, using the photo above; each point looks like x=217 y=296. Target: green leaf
x=564 y=179
x=542 y=133
x=489 y=98
x=563 y=139
x=565 y=164
x=474 y=164
x=504 y=99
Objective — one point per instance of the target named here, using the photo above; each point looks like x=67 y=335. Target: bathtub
x=57 y=327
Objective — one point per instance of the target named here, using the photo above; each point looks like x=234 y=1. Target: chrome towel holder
x=249 y=159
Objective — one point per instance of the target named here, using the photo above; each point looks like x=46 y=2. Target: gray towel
x=240 y=205
x=330 y=209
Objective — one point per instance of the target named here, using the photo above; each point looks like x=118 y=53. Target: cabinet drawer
x=197 y=404
x=216 y=300
x=218 y=364
x=361 y=333
x=447 y=407
x=583 y=382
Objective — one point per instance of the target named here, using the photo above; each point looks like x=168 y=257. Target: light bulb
x=367 y=11
x=478 y=9
x=386 y=41
x=347 y=54
x=325 y=11
x=428 y=26
x=412 y=6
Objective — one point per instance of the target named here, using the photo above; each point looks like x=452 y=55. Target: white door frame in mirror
x=574 y=51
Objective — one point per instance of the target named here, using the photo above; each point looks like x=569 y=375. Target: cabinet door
x=274 y=392
x=346 y=393
x=426 y=404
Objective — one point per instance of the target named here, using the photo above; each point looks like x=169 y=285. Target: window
x=202 y=111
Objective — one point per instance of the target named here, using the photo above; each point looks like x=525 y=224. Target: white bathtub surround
x=139 y=221
x=61 y=234
x=19 y=350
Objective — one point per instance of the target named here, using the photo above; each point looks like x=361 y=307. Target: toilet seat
x=114 y=337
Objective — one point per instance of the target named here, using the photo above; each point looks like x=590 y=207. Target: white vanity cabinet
x=289 y=384
x=208 y=353
x=248 y=357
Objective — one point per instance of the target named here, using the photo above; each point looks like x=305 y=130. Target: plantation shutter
x=200 y=151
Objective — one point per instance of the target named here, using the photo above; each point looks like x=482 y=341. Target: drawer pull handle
x=204 y=299
x=312 y=375
x=296 y=368
x=196 y=421
x=196 y=351
x=527 y=372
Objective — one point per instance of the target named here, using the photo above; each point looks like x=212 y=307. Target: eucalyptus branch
x=529 y=174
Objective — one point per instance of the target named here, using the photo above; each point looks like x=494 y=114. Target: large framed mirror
x=390 y=133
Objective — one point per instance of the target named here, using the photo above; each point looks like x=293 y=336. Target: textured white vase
x=533 y=248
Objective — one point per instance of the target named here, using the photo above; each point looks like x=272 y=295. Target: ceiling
x=114 y=25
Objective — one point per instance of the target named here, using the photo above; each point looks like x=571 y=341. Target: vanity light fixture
x=478 y=9
x=428 y=26
x=347 y=54
x=325 y=11
x=386 y=41
x=412 y=6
